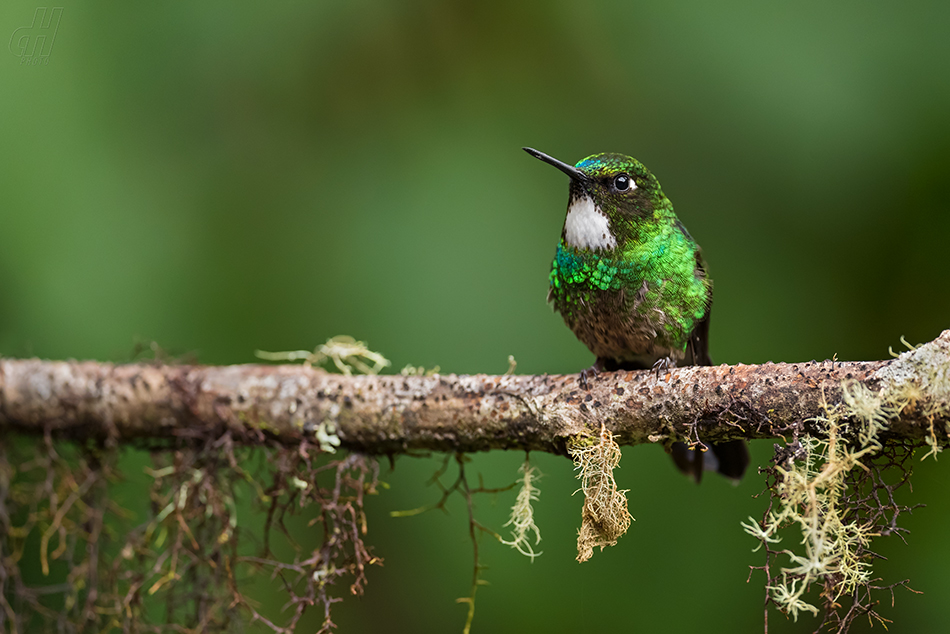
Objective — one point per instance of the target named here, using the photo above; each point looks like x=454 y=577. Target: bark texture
x=458 y=413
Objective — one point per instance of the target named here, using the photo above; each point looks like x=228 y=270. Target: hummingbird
x=631 y=283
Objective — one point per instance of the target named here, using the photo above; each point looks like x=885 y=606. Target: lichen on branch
x=604 y=514
x=836 y=486
x=392 y=414
x=851 y=427
x=522 y=513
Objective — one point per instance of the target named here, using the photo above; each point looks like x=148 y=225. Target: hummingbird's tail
x=729 y=459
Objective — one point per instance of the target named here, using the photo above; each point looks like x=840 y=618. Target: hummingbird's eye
x=622 y=183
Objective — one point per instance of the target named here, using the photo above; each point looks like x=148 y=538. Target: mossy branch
x=458 y=413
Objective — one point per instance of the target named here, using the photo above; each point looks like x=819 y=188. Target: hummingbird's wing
x=698 y=344
x=728 y=458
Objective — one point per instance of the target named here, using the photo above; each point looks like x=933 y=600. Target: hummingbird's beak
x=570 y=170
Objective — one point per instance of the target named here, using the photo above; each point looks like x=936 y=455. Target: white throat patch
x=586 y=227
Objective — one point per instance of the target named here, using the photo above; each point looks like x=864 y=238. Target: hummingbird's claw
x=663 y=364
x=583 y=379
x=592 y=371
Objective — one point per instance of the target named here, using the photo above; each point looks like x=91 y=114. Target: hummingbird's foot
x=662 y=365
x=589 y=373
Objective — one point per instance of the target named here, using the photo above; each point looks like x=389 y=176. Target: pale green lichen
x=344 y=351
x=325 y=433
x=809 y=495
x=871 y=409
x=812 y=490
x=920 y=377
x=347 y=354
x=604 y=516
x=412 y=370
x=522 y=514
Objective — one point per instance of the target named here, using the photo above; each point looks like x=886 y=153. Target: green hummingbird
x=631 y=283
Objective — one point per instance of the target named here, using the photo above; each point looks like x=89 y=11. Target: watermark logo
x=33 y=44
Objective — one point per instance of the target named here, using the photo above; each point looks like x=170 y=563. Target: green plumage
x=669 y=292
x=631 y=283
x=641 y=297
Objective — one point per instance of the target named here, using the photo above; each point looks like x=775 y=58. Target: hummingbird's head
x=610 y=193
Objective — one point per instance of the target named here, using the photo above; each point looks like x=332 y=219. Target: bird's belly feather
x=623 y=312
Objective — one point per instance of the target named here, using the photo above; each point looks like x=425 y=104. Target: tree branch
x=460 y=413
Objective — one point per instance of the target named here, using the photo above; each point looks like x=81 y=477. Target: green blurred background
x=221 y=177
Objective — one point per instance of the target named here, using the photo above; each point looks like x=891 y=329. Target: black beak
x=570 y=170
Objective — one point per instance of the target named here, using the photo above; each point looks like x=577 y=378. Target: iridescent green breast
x=642 y=301
x=591 y=271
